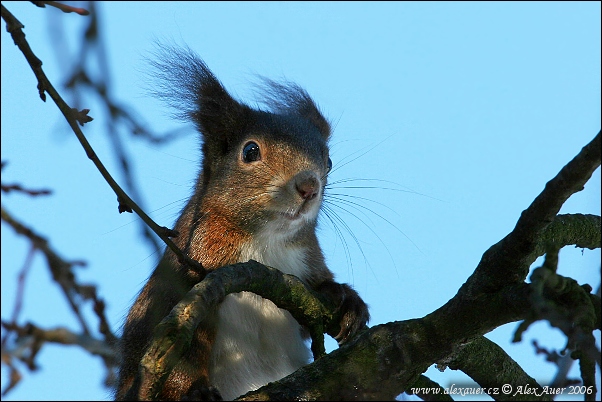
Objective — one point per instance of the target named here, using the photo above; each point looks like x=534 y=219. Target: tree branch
x=508 y=261
x=378 y=365
x=31 y=333
x=477 y=360
x=74 y=292
x=580 y=230
x=388 y=359
x=30 y=339
x=73 y=117
x=59 y=268
x=395 y=354
x=173 y=335
x=428 y=390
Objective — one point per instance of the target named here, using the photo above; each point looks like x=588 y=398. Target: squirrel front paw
x=351 y=308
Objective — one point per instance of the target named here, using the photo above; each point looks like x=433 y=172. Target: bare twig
x=74 y=292
x=60 y=269
x=63 y=7
x=30 y=334
x=14 y=27
x=7 y=188
x=20 y=289
x=564 y=365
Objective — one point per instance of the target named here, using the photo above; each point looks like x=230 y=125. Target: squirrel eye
x=329 y=165
x=251 y=153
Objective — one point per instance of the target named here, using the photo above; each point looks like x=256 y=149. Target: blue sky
x=452 y=116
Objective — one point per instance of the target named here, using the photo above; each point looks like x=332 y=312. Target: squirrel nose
x=307 y=185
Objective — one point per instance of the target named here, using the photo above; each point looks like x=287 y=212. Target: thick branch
x=392 y=356
x=508 y=261
x=428 y=390
x=387 y=359
x=378 y=365
x=477 y=360
x=580 y=230
x=173 y=335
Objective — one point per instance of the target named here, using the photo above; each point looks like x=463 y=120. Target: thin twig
x=73 y=117
x=7 y=188
x=20 y=290
x=60 y=269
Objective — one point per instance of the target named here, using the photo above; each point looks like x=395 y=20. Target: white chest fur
x=256 y=342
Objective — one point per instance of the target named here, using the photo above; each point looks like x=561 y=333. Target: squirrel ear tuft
x=289 y=98
x=185 y=83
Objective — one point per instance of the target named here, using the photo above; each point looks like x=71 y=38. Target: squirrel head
x=262 y=170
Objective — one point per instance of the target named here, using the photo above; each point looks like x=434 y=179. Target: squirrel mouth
x=292 y=216
x=297 y=213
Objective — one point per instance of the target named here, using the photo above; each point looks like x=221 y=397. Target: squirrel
x=257 y=196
